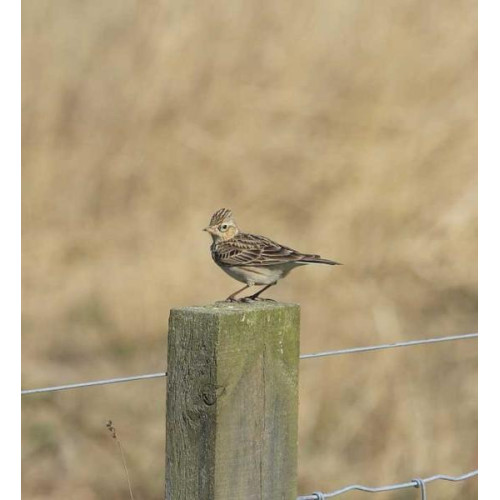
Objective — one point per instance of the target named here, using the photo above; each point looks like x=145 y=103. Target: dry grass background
x=346 y=128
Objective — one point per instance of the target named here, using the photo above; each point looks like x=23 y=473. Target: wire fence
x=80 y=385
x=413 y=483
x=353 y=350
x=317 y=495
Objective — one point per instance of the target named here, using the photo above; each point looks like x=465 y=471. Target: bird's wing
x=251 y=249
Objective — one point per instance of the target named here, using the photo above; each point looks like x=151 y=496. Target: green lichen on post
x=232 y=402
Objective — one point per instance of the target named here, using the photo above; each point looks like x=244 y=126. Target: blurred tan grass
x=344 y=128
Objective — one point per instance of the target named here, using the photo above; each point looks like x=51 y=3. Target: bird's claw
x=247 y=300
x=257 y=299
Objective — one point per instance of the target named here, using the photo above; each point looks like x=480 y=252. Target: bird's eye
x=223 y=227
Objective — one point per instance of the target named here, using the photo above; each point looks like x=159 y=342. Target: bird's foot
x=257 y=299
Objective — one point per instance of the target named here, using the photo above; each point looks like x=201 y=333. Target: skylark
x=252 y=259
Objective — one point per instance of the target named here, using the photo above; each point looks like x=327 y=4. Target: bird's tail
x=316 y=259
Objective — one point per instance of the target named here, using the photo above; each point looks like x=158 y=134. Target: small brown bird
x=252 y=259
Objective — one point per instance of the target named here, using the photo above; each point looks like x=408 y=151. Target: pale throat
x=216 y=238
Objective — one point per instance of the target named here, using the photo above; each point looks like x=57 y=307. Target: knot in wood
x=211 y=393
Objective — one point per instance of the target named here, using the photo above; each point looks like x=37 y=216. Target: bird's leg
x=231 y=298
x=255 y=296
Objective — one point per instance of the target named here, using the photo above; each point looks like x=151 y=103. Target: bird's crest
x=222 y=215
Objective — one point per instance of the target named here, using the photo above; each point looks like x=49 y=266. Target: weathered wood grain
x=232 y=402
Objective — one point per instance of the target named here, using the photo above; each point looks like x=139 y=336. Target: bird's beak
x=207 y=229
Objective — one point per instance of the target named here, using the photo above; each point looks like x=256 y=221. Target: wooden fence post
x=232 y=402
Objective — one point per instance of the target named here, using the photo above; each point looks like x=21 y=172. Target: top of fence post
x=232 y=402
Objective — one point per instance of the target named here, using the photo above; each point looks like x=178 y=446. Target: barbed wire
x=414 y=483
x=353 y=350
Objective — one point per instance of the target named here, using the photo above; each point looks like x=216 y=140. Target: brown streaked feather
x=255 y=250
x=222 y=215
